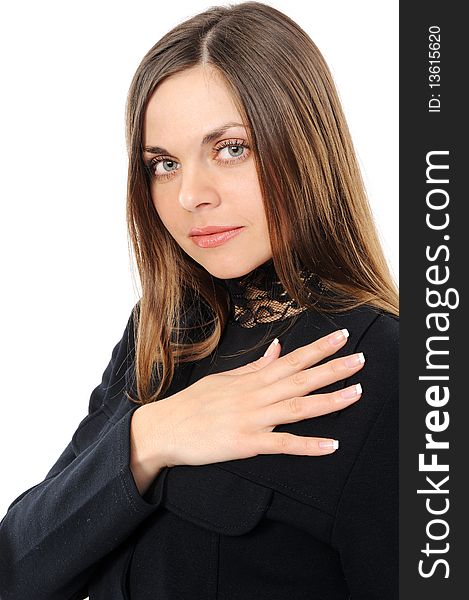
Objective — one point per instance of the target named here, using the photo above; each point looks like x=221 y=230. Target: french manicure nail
x=354 y=360
x=351 y=392
x=271 y=348
x=338 y=337
x=329 y=444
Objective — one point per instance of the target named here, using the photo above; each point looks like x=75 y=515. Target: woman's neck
x=259 y=297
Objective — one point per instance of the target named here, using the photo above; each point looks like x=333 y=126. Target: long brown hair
x=308 y=175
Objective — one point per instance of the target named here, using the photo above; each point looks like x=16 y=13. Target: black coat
x=268 y=527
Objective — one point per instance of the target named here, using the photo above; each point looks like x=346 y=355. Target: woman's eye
x=231 y=151
x=164 y=166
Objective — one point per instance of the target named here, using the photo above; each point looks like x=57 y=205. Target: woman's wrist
x=146 y=448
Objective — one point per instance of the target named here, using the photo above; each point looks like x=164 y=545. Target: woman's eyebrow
x=207 y=139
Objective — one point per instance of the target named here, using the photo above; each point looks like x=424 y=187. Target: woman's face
x=202 y=177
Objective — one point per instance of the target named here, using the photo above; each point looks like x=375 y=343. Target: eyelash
x=153 y=163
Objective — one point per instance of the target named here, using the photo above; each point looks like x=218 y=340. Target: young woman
x=215 y=462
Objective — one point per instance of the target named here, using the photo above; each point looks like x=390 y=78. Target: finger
x=255 y=366
x=277 y=442
x=298 y=408
x=305 y=356
x=309 y=380
x=273 y=349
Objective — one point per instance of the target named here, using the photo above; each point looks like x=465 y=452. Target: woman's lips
x=215 y=239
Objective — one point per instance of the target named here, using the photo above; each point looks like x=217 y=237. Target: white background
x=67 y=288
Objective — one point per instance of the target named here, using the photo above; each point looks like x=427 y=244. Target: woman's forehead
x=190 y=104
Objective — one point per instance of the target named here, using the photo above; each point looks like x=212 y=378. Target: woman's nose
x=197 y=189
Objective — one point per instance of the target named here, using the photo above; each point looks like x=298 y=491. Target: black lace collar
x=259 y=297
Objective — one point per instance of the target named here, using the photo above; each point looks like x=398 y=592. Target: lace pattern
x=259 y=296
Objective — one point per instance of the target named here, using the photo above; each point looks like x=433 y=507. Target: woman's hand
x=231 y=415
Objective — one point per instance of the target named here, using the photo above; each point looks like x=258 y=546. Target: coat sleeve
x=366 y=526
x=54 y=534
